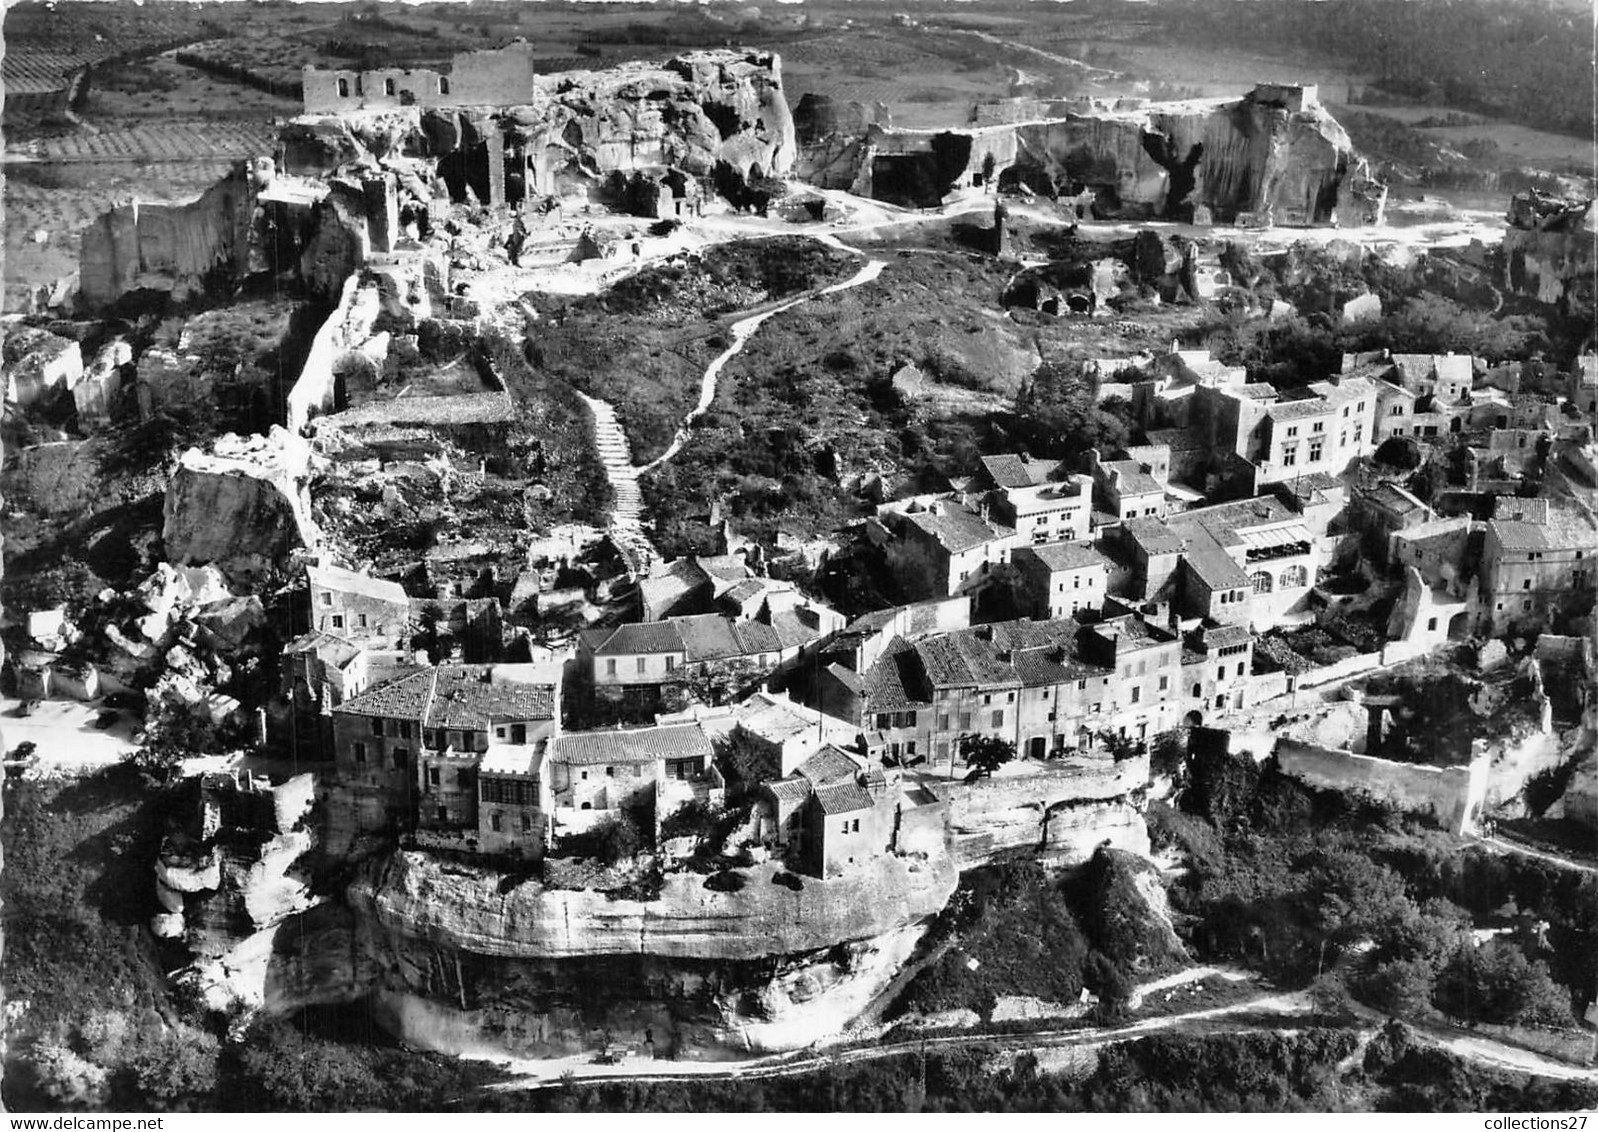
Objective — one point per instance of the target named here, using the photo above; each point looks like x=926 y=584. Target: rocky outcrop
x=37 y=363
x=243 y=506
x=692 y=112
x=1274 y=156
x=409 y=894
x=1063 y=811
x=1548 y=250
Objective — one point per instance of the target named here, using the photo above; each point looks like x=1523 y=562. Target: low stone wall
x=1448 y=793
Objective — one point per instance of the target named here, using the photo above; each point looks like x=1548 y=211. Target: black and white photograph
x=848 y=556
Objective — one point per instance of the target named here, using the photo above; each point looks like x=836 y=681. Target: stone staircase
x=627 y=513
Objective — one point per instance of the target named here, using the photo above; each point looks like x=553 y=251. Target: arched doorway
x=1459 y=627
x=1194 y=719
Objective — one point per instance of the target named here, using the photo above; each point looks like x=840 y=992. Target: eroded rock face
x=242 y=507
x=1548 y=250
x=1258 y=158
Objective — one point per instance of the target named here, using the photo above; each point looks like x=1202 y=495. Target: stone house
x=1274 y=554
x=1044 y=686
x=641 y=666
x=1126 y=489
x=417 y=740
x=594 y=773
x=1527 y=568
x=317 y=673
x=1027 y=496
x=371 y=612
x=1061 y=579
x=833 y=812
x=510 y=801
x=1385 y=510
x=946 y=550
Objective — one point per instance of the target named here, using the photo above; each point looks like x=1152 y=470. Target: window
x=443 y=85
x=1240 y=671
x=401 y=757
x=1260 y=582
x=1525 y=606
x=641 y=663
x=1314 y=450
x=360 y=619
x=986 y=700
x=1076 y=582
x=671 y=664
x=493 y=820
x=1396 y=411
x=432 y=776
x=377 y=727
x=1431 y=624
x=1295 y=576
x=1165 y=683
x=527 y=823
x=1318 y=426
x=344 y=88
x=998 y=719
x=338 y=621
x=463 y=777
x=610 y=772
x=942 y=749
x=965 y=721
x=1096 y=708
x=855 y=826
x=327 y=598
x=1137 y=695
x=884 y=721
x=1081 y=685
x=1526 y=585
x=1220 y=673
x=1198 y=690
x=1009 y=698
x=1293 y=431
x=943 y=722
x=1290 y=455
x=405 y=729
x=610 y=667
x=388 y=87
x=360 y=752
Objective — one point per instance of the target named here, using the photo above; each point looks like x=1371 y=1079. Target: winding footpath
x=610 y=439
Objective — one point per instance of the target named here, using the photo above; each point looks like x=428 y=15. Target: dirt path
x=742 y=331
x=1503 y=845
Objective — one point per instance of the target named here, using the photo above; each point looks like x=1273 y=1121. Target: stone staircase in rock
x=627 y=511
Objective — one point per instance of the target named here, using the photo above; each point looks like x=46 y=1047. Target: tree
x=1060 y=414
x=1497 y=983
x=985 y=754
x=1399 y=452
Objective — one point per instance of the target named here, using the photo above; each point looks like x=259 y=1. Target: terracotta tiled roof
x=642 y=745
x=843 y=798
x=404 y=698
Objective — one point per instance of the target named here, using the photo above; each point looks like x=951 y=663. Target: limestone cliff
x=1274 y=156
x=242 y=507
x=1548 y=250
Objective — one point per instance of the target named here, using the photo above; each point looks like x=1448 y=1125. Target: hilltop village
x=415 y=610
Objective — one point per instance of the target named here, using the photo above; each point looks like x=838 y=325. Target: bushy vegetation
x=1302 y=885
x=644 y=344
x=1032 y=932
